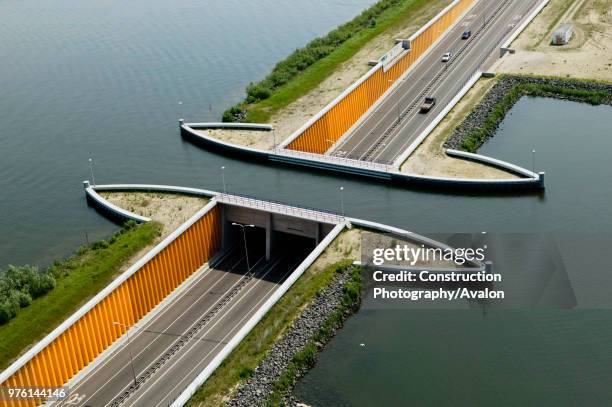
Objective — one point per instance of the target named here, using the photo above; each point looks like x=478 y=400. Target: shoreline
x=296 y=352
x=309 y=69
x=483 y=121
x=165 y=220
x=79 y=278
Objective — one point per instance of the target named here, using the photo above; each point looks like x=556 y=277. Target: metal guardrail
x=281 y=208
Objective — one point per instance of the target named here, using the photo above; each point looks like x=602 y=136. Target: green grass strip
x=79 y=278
x=307 y=67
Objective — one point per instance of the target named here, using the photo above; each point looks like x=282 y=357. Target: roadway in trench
x=381 y=137
x=193 y=329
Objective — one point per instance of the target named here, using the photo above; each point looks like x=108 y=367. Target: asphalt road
x=381 y=137
x=197 y=324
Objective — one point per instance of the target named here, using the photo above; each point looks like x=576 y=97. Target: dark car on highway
x=466 y=34
x=427 y=104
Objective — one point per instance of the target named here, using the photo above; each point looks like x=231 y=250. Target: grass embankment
x=307 y=67
x=78 y=278
x=475 y=139
x=240 y=364
x=307 y=357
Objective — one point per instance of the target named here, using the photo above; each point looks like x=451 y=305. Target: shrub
x=307 y=357
x=23 y=298
x=234 y=114
x=257 y=91
x=100 y=244
x=8 y=310
x=245 y=372
x=129 y=225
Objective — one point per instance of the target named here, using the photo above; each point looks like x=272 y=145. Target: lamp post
x=246 y=250
x=127 y=331
x=223 y=178
x=93 y=180
x=533 y=162
x=398 y=103
x=342 y=200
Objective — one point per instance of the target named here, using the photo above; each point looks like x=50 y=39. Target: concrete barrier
x=172 y=189
x=231 y=126
x=524 y=24
x=494 y=162
x=114 y=210
x=337 y=166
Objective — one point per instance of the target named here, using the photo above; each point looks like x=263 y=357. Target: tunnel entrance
x=294 y=245
x=273 y=240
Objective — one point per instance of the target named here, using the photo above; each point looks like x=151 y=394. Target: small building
x=562 y=34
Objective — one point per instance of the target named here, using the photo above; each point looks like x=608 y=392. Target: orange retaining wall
x=341 y=117
x=129 y=302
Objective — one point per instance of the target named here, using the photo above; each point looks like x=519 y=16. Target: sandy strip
x=588 y=55
x=171 y=210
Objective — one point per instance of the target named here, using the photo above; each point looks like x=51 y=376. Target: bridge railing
x=278 y=207
x=334 y=159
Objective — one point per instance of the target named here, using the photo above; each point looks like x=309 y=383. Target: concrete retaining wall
x=394 y=176
x=340 y=115
x=85 y=336
x=494 y=162
x=231 y=126
x=244 y=331
x=115 y=211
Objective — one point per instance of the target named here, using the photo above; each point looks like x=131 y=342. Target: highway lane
x=227 y=284
x=380 y=136
x=175 y=378
x=445 y=89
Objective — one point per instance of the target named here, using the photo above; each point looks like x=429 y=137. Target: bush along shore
x=308 y=66
x=46 y=298
x=483 y=121
x=19 y=286
x=272 y=381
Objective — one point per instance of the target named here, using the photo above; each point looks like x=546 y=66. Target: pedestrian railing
x=278 y=207
x=333 y=159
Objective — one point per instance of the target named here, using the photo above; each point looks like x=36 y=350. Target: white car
x=446 y=57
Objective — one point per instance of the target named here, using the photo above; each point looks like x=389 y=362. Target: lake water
x=527 y=355
x=104 y=79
